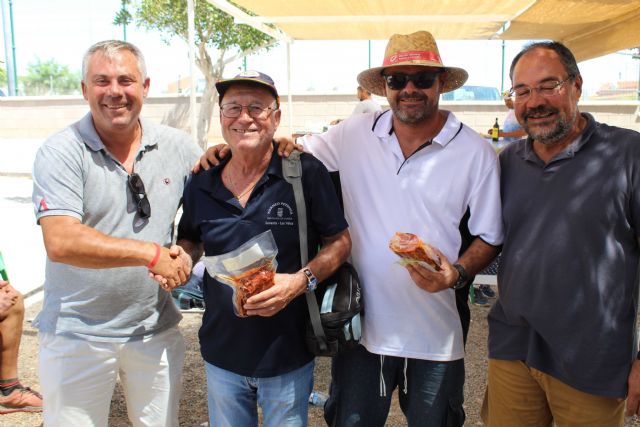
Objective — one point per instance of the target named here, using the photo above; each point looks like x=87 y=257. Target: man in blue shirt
x=260 y=359
x=562 y=336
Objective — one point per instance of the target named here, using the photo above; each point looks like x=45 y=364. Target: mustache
x=413 y=95
x=541 y=109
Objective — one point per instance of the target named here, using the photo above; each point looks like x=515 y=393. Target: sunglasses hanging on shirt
x=143 y=207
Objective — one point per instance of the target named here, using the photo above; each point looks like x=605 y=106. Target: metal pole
x=369 y=54
x=502 y=71
x=192 y=67
x=13 y=49
x=9 y=46
x=638 y=88
x=289 y=97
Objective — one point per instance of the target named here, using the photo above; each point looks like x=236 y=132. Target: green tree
x=214 y=31
x=50 y=78
x=3 y=77
x=123 y=17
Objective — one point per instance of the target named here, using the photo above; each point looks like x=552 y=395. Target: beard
x=552 y=133
x=410 y=115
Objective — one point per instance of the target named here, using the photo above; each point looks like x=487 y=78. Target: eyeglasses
x=232 y=111
x=422 y=80
x=546 y=89
x=140 y=195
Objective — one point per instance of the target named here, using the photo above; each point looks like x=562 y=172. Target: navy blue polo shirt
x=257 y=346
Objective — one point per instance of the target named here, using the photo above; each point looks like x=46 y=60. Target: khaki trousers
x=520 y=396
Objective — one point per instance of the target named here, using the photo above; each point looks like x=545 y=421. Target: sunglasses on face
x=143 y=208
x=422 y=80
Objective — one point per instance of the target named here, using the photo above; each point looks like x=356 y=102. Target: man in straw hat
x=414 y=169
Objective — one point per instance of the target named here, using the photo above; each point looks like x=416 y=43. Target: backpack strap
x=292 y=171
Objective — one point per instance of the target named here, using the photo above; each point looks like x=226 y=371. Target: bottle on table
x=495 y=131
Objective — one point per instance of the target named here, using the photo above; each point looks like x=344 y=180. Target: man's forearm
x=70 y=242
x=477 y=256
x=334 y=252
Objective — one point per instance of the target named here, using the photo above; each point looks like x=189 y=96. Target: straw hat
x=418 y=48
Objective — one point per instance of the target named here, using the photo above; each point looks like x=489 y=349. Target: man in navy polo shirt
x=260 y=359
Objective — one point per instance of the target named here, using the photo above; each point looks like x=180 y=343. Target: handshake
x=170 y=267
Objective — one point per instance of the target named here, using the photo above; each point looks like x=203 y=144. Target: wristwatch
x=463 y=277
x=312 y=282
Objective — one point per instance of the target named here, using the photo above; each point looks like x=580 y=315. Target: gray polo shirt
x=74 y=175
x=567 y=276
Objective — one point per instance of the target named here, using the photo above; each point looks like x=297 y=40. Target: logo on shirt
x=167 y=181
x=280 y=213
x=42 y=206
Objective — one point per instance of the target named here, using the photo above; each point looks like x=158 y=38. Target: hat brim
x=372 y=80
x=223 y=85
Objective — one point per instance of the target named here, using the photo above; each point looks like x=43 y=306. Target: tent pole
x=10 y=47
x=289 y=97
x=192 y=62
x=502 y=72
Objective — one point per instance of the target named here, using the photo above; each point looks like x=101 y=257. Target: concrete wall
x=36 y=118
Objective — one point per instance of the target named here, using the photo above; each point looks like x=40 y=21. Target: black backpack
x=336 y=305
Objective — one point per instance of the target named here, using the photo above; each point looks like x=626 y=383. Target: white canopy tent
x=590 y=28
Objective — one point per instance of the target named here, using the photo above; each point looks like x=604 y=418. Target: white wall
x=37 y=118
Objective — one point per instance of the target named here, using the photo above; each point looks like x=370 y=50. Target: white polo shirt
x=426 y=194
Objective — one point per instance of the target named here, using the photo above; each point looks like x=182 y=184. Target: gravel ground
x=193 y=409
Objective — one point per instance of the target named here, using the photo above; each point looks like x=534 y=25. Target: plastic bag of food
x=248 y=270
x=412 y=250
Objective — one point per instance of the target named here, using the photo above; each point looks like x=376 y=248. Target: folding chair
x=3 y=269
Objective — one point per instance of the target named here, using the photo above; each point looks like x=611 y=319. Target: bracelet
x=156 y=257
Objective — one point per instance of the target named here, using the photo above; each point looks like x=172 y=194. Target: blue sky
x=64 y=29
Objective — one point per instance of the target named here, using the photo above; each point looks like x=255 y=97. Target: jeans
x=431 y=393
x=233 y=398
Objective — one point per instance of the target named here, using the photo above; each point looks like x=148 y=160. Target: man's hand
x=173 y=267
x=211 y=157
x=633 y=399
x=8 y=298
x=286 y=146
x=273 y=300
x=431 y=281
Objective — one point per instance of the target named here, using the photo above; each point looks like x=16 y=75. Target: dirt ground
x=193 y=409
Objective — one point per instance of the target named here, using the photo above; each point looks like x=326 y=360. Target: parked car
x=473 y=93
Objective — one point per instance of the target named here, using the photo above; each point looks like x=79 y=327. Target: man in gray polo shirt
x=562 y=345
x=106 y=192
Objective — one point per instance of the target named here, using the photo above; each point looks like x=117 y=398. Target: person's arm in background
x=520 y=133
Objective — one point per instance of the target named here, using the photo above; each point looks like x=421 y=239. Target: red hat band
x=416 y=55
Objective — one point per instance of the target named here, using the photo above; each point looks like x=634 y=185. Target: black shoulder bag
x=336 y=305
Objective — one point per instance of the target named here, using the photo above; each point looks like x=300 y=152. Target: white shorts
x=77 y=379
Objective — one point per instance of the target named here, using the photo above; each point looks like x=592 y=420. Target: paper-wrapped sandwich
x=412 y=249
